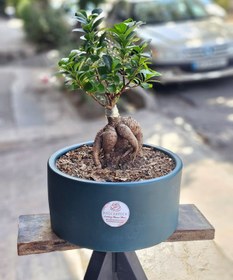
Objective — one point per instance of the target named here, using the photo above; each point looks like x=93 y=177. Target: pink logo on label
x=115 y=207
x=115 y=213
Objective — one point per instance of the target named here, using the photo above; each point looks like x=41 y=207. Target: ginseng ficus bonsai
x=109 y=62
x=113 y=195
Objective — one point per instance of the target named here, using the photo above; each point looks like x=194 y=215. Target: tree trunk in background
x=44 y=3
x=83 y=4
x=2 y=7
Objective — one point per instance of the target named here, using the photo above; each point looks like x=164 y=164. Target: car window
x=151 y=12
x=159 y=11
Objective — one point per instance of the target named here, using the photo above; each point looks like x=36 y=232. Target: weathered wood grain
x=192 y=225
x=35 y=235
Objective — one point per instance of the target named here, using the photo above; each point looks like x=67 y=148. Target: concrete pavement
x=13 y=43
x=36 y=119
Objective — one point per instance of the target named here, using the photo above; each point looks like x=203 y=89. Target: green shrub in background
x=224 y=3
x=43 y=25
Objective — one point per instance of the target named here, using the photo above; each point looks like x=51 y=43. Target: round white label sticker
x=115 y=213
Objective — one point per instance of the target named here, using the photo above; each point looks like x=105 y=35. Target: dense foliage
x=43 y=25
x=109 y=61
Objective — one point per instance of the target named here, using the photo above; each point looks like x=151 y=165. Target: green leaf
x=81 y=16
x=157 y=74
x=87 y=27
x=145 y=43
x=128 y=20
x=63 y=61
x=108 y=61
x=116 y=79
x=146 y=85
x=62 y=72
x=100 y=88
x=116 y=62
x=88 y=86
x=97 y=23
x=101 y=39
x=77 y=30
x=137 y=81
x=118 y=67
x=119 y=28
x=136 y=49
x=149 y=73
x=131 y=35
x=73 y=86
x=102 y=70
x=82 y=13
x=94 y=58
x=112 y=88
x=81 y=76
x=97 y=11
x=117 y=39
x=74 y=53
x=148 y=55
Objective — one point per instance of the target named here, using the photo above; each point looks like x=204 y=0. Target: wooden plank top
x=35 y=235
x=192 y=225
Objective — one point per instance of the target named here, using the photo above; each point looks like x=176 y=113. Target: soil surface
x=150 y=164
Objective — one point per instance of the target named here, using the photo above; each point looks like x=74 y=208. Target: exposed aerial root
x=97 y=147
x=122 y=135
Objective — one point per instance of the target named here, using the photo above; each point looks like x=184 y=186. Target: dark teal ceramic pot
x=110 y=216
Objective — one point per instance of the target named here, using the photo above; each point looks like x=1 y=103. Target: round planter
x=112 y=216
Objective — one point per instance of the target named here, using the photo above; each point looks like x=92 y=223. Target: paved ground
x=36 y=120
x=207 y=108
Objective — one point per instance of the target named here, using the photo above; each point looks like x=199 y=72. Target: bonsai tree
x=109 y=62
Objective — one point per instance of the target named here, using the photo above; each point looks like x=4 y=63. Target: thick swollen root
x=97 y=147
x=122 y=136
x=125 y=132
x=109 y=140
x=136 y=130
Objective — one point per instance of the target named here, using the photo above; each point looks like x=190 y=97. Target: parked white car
x=213 y=8
x=187 y=43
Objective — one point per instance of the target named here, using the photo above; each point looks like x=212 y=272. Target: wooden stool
x=36 y=237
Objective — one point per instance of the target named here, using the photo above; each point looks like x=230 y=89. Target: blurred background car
x=188 y=43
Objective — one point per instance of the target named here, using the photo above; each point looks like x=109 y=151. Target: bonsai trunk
x=122 y=138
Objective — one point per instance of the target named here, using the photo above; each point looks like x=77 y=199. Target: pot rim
x=53 y=158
